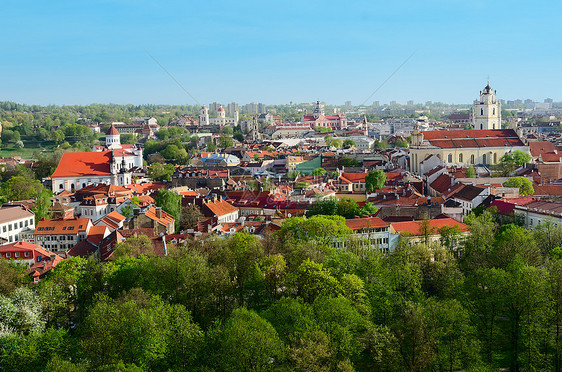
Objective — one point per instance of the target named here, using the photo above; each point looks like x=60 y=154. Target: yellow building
x=463 y=147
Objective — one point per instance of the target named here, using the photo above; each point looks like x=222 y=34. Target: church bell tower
x=486 y=113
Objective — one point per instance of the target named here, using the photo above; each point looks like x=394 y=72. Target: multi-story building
x=59 y=235
x=14 y=221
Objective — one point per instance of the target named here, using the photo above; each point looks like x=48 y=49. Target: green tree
x=211 y=147
x=225 y=141
x=21 y=188
x=347 y=143
x=245 y=342
x=319 y=172
x=42 y=208
x=470 y=172
x=170 y=202
x=375 y=180
x=524 y=185
x=161 y=172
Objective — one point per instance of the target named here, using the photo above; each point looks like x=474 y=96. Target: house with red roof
x=372 y=232
x=38 y=260
x=154 y=218
x=415 y=232
x=59 y=235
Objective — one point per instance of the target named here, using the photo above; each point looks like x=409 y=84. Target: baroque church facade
x=484 y=145
x=110 y=164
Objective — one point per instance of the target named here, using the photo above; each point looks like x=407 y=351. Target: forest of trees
x=291 y=302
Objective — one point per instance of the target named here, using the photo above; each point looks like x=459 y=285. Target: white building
x=486 y=113
x=58 y=235
x=15 y=220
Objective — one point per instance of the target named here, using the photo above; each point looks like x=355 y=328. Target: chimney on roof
x=159 y=212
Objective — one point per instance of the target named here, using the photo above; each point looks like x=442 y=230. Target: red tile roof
x=365 y=222
x=71 y=226
x=112 y=131
x=413 y=227
x=220 y=207
x=472 y=138
x=541 y=147
x=80 y=164
x=165 y=219
x=353 y=177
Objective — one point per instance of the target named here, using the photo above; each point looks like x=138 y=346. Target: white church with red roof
x=109 y=164
x=320 y=119
x=484 y=145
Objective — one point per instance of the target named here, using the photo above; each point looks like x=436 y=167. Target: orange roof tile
x=70 y=226
x=220 y=207
x=80 y=164
x=413 y=227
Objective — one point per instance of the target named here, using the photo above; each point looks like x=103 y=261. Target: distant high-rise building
x=214 y=106
x=392 y=103
x=410 y=103
x=376 y=104
x=347 y=103
x=232 y=108
x=548 y=100
x=261 y=108
x=250 y=108
x=429 y=103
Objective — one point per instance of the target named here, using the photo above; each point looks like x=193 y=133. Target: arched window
x=484 y=159
x=471 y=159
x=494 y=111
x=481 y=111
x=450 y=158
x=460 y=158
x=481 y=126
x=495 y=158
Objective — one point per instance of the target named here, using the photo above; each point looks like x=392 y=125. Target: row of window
x=16 y=254
x=472 y=158
x=22 y=224
x=54 y=238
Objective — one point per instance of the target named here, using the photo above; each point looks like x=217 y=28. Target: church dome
x=221 y=108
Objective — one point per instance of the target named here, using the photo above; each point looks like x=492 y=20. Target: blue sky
x=74 y=52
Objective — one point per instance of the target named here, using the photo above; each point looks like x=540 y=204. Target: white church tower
x=221 y=117
x=112 y=138
x=204 y=116
x=487 y=112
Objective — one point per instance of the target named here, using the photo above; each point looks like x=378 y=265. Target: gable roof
x=71 y=226
x=541 y=147
x=80 y=164
x=413 y=227
x=220 y=207
x=472 y=138
x=365 y=222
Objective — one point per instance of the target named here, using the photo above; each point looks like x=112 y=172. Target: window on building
x=21 y=224
x=471 y=159
x=495 y=158
x=493 y=111
x=450 y=158
x=9 y=227
x=460 y=158
x=26 y=254
x=8 y=254
x=4 y=228
x=39 y=258
x=481 y=111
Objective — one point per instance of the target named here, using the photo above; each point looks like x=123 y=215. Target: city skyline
x=117 y=51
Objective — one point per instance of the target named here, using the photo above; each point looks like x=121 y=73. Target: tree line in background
x=292 y=302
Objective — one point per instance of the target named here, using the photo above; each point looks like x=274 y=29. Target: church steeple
x=113 y=138
x=318 y=110
x=486 y=113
